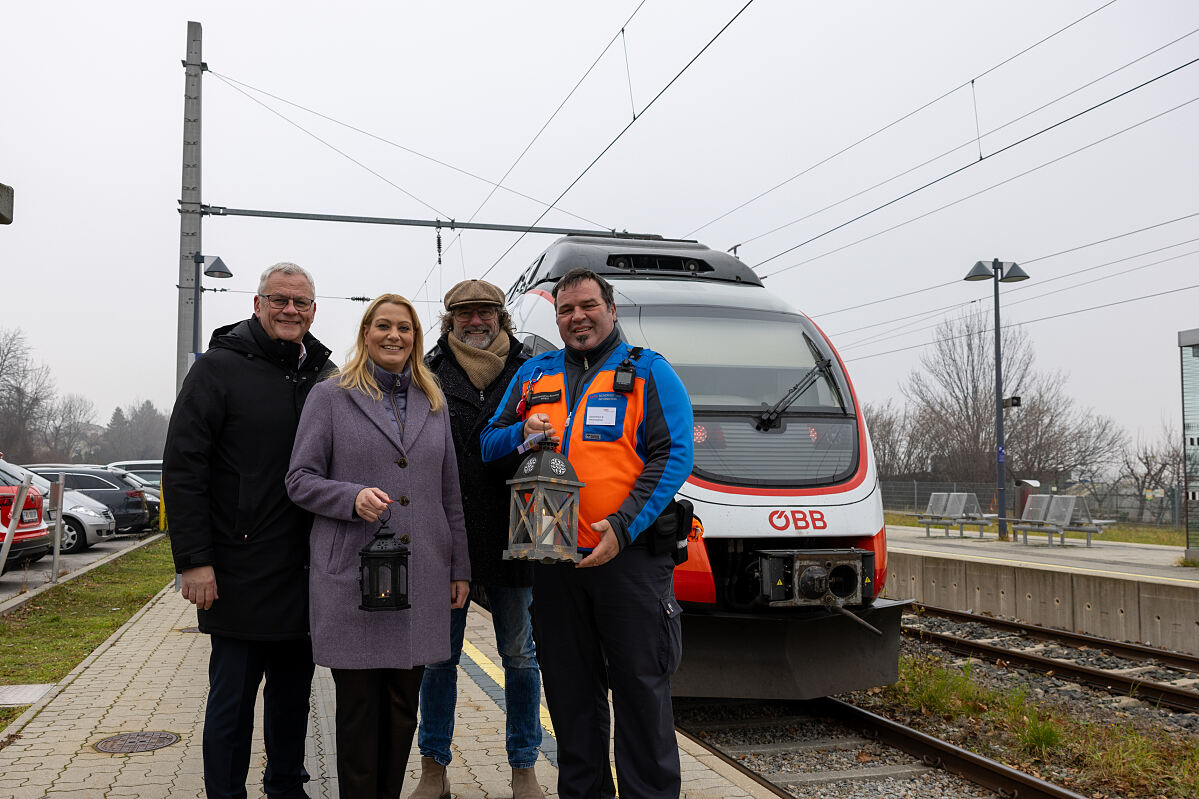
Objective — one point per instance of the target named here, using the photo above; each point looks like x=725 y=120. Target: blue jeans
x=522 y=681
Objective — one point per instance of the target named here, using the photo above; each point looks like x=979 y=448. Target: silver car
x=85 y=521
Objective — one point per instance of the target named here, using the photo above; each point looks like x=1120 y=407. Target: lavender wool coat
x=346 y=442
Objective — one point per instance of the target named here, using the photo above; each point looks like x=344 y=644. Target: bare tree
x=65 y=428
x=1147 y=466
x=26 y=394
x=952 y=397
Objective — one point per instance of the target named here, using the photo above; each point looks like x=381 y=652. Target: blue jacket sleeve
x=502 y=435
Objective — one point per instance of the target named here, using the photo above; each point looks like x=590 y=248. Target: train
x=787 y=557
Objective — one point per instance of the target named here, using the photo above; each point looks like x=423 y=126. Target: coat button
x=404 y=500
x=402 y=463
x=405 y=539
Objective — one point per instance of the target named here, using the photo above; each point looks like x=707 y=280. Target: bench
x=1033 y=517
x=1081 y=521
x=1057 y=515
x=959 y=509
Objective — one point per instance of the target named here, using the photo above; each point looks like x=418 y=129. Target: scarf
x=481 y=366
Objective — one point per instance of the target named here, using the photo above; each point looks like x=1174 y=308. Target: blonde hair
x=357 y=373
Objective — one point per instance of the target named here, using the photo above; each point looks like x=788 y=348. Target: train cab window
x=736 y=364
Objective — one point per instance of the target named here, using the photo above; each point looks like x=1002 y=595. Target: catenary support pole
x=189 y=204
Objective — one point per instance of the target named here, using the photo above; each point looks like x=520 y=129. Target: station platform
x=1112 y=589
x=1147 y=562
x=150 y=677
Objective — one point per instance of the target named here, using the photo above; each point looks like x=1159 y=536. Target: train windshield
x=737 y=366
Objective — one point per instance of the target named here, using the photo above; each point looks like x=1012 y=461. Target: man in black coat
x=239 y=544
x=474 y=359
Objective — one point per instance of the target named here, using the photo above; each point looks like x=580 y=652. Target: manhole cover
x=136 y=742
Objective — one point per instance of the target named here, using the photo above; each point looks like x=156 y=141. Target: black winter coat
x=485 y=494
x=227 y=452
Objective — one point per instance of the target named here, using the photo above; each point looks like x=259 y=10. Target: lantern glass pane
x=383 y=587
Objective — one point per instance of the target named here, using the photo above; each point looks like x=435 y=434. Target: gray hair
x=287 y=268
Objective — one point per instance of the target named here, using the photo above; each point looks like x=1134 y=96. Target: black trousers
x=235 y=670
x=376 y=718
x=612 y=626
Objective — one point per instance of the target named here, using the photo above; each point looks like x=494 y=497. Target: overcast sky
x=91 y=116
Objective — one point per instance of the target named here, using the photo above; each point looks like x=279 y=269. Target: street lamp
x=999 y=272
x=213 y=267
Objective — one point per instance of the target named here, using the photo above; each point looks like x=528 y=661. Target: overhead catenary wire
x=962 y=146
x=340 y=152
x=1029 y=321
x=895 y=122
x=494 y=184
x=1016 y=289
x=989 y=156
x=623 y=130
x=537 y=135
x=968 y=196
x=1076 y=248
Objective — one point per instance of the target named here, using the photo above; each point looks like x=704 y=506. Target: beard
x=479 y=338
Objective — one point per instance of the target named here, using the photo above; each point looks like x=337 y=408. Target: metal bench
x=935 y=512
x=959 y=509
x=1081 y=521
x=1033 y=517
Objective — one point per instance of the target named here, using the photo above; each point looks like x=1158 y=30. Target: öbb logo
x=798 y=520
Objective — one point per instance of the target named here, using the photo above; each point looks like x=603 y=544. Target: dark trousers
x=615 y=625
x=376 y=718
x=235 y=670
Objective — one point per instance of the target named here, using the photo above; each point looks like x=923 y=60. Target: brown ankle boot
x=524 y=784
x=434 y=782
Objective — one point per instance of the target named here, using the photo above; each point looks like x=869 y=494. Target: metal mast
x=189 y=203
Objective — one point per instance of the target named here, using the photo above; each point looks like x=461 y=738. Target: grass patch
x=49 y=635
x=1098 y=759
x=7 y=714
x=1128 y=533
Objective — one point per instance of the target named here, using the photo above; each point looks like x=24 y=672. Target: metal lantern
x=383 y=579
x=543 y=524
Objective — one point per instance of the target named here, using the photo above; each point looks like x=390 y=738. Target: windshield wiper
x=769 y=418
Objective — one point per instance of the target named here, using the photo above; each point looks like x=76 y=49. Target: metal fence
x=1161 y=506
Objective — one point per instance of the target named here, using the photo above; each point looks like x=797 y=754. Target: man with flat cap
x=474 y=359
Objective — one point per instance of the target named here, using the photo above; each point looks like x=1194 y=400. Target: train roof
x=655 y=258
x=697 y=294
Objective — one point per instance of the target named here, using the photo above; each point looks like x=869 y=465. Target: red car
x=32 y=537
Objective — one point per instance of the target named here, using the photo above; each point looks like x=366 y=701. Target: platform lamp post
x=212 y=266
x=998 y=272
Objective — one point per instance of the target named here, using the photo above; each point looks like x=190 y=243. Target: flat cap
x=473 y=292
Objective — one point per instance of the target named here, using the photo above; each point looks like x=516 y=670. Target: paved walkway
x=151 y=676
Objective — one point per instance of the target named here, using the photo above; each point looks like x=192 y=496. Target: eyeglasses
x=280 y=301
x=466 y=314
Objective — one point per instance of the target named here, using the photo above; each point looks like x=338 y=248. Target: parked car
x=85 y=521
x=122 y=496
x=150 y=471
x=153 y=495
x=31 y=539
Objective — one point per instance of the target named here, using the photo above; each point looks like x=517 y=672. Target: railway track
x=832 y=748
x=1125 y=669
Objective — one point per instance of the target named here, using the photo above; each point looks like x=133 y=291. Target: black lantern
x=543 y=524
x=383 y=579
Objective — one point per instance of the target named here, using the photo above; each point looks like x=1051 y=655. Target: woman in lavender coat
x=377 y=436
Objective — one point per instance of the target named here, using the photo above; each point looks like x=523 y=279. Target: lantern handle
x=384 y=519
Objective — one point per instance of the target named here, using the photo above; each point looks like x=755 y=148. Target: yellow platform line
x=496 y=673
x=1035 y=564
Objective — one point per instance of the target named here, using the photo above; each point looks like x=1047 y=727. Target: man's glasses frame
x=281 y=301
x=486 y=314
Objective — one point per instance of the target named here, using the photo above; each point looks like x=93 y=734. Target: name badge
x=601 y=416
